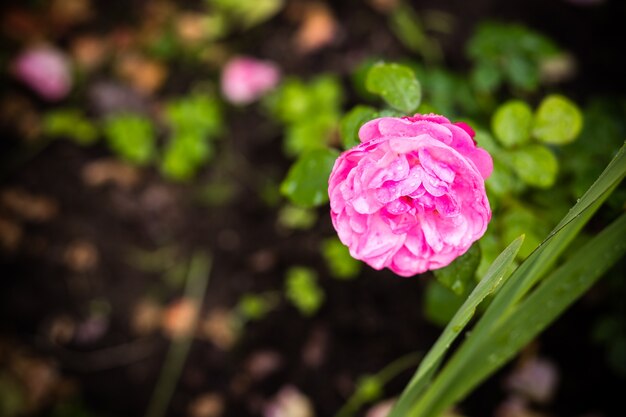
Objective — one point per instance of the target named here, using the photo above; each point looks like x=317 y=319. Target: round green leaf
x=396 y=84
x=352 y=122
x=536 y=165
x=306 y=183
x=512 y=123
x=558 y=120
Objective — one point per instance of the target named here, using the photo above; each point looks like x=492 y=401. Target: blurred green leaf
x=306 y=183
x=295 y=217
x=184 y=154
x=440 y=303
x=369 y=388
x=558 y=120
x=131 y=136
x=247 y=13
x=460 y=272
x=512 y=122
x=308 y=134
x=406 y=25
x=338 y=259
x=486 y=77
x=519 y=220
x=352 y=122
x=198 y=115
x=252 y=307
x=302 y=290
x=536 y=165
x=396 y=84
x=70 y=123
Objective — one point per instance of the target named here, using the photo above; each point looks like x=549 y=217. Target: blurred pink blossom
x=246 y=79
x=289 y=402
x=411 y=197
x=46 y=70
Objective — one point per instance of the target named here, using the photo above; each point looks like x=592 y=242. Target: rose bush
x=411 y=197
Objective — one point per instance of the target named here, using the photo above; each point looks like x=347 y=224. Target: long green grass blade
x=492 y=280
x=560 y=289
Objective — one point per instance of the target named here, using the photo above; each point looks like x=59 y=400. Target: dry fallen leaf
x=66 y=13
x=81 y=256
x=219 y=327
x=179 y=318
x=20 y=114
x=317 y=28
x=384 y=6
x=289 y=402
x=61 y=329
x=192 y=28
x=207 y=405
x=146 y=317
x=10 y=234
x=111 y=171
x=89 y=51
x=145 y=74
x=28 y=206
x=263 y=363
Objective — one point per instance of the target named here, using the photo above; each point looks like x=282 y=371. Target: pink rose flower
x=46 y=70
x=246 y=79
x=411 y=197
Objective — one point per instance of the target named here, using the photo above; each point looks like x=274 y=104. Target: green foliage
x=306 y=183
x=532 y=298
x=194 y=121
x=70 y=123
x=310 y=112
x=408 y=28
x=396 y=84
x=440 y=303
x=254 y=307
x=302 y=290
x=295 y=217
x=460 y=272
x=338 y=259
x=12 y=396
x=558 y=120
x=132 y=137
x=508 y=53
x=512 y=123
x=536 y=165
x=247 y=13
x=352 y=122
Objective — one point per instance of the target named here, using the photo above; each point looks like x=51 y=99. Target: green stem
x=197 y=280
x=356 y=401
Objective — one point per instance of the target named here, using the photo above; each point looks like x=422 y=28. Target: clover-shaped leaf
x=558 y=120
x=396 y=84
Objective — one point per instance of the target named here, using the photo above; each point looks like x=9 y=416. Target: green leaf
x=536 y=165
x=185 y=154
x=352 y=122
x=338 y=259
x=493 y=279
x=302 y=290
x=460 y=272
x=522 y=322
x=70 y=123
x=132 y=137
x=396 y=84
x=440 y=303
x=512 y=123
x=198 y=115
x=308 y=134
x=294 y=217
x=306 y=183
x=449 y=385
x=558 y=120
